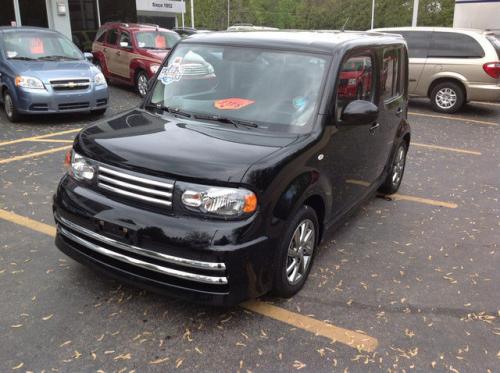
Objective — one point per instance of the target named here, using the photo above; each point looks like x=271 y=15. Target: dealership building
x=80 y=19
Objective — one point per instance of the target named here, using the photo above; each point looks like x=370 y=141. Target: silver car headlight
x=79 y=167
x=99 y=79
x=29 y=82
x=224 y=202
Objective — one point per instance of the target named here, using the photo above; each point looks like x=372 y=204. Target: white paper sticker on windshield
x=172 y=73
x=11 y=54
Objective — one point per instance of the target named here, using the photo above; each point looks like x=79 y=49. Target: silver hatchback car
x=452 y=66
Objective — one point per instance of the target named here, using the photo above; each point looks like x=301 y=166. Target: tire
x=396 y=170
x=285 y=285
x=99 y=112
x=141 y=83
x=10 y=108
x=447 y=97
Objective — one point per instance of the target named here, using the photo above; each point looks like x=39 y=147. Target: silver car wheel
x=9 y=106
x=142 y=85
x=300 y=251
x=398 y=166
x=446 y=98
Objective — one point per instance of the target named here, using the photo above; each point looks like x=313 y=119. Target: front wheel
x=396 y=170
x=296 y=253
x=447 y=97
x=10 y=108
x=141 y=83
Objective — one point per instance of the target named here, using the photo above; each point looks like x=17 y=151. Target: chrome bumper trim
x=212 y=266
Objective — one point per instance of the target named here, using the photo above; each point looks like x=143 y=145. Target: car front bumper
x=43 y=101
x=197 y=260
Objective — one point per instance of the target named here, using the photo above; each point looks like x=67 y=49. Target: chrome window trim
x=214 y=280
x=140 y=251
x=134 y=195
x=135 y=178
x=134 y=186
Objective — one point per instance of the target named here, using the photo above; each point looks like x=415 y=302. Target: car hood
x=48 y=70
x=177 y=147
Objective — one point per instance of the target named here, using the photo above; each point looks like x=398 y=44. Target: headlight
x=154 y=68
x=99 y=79
x=228 y=202
x=29 y=82
x=351 y=82
x=79 y=167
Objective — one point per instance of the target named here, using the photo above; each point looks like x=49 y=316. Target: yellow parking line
x=336 y=334
x=39 y=137
x=426 y=201
x=438 y=147
x=27 y=222
x=51 y=140
x=351 y=338
x=454 y=118
x=34 y=155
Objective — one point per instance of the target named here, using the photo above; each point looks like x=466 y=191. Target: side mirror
x=88 y=56
x=359 y=112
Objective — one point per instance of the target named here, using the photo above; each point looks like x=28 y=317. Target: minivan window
x=112 y=36
x=277 y=90
x=355 y=82
x=418 y=42
x=391 y=74
x=495 y=42
x=454 y=45
x=30 y=45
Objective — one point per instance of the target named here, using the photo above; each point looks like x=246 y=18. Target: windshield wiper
x=21 y=58
x=168 y=109
x=235 y=122
x=55 y=57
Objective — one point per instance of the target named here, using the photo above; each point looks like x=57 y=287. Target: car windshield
x=270 y=89
x=32 y=45
x=156 y=39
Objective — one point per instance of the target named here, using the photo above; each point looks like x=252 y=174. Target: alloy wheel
x=446 y=98
x=398 y=165
x=300 y=251
x=142 y=85
x=9 y=106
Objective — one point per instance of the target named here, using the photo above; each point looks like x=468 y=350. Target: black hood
x=177 y=147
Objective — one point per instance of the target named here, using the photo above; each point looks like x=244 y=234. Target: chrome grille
x=69 y=84
x=135 y=186
x=195 y=69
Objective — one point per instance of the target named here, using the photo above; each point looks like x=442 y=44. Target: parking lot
x=410 y=282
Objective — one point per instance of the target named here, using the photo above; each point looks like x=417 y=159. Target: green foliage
x=319 y=14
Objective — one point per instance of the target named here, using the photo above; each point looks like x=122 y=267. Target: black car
x=246 y=150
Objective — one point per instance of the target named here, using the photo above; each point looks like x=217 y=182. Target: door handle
x=105 y=50
x=399 y=111
x=374 y=127
x=118 y=53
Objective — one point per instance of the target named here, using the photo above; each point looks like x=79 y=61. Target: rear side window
x=112 y=36
x=495 y=41
x=101 y=36
x=391 y=74
x=454 y=45
x=418 y=42
x=125 y=40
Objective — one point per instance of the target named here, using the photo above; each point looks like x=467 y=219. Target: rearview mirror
x=359 y=112
x=88 y=56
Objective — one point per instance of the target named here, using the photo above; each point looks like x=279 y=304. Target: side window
x=112 y=36
x=101 y=36
x=125 y=40
x=418 y=42
x=391 y=72
x=355 y=81
x=454 y=45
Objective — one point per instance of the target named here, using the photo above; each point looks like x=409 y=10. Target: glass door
x=84 y=22
x=33 y=13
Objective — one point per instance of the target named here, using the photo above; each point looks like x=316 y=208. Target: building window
x=33 y=13
x=118 y=11
x=7 y=15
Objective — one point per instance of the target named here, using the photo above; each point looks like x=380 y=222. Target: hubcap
x=8 y=106
x=398 y=166
x=446 y=98
x=300 y=251
x=142 y=85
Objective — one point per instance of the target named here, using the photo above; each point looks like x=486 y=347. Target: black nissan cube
x=246 y=150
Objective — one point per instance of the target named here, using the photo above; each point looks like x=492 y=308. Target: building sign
x=169 y=6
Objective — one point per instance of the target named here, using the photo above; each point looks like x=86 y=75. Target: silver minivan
x=452 y=66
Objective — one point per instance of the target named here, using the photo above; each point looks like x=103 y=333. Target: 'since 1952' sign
x=170 y=6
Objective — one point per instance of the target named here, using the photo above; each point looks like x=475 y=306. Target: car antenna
x=345 y=24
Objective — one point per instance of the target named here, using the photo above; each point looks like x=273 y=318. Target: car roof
x=134 y=26
x=442 y=29
x=321 y=41
x=26 y=28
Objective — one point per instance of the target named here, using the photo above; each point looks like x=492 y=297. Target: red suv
x=132 y=53
x=355 y=78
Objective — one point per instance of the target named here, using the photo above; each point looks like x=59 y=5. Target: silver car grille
x=136 y=186
x=69 y=84
x=195 y=69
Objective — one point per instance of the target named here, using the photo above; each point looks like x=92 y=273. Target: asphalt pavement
x=411 y=282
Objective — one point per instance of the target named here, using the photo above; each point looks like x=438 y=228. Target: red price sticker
x=36 y=46
x=160 y=42
x=232 y=103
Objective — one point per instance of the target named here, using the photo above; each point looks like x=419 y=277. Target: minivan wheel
x=296 y=253
x=10 y=109
x=141 y=83
x=447 y=97
x=397 y=168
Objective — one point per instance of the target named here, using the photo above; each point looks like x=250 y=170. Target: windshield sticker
x=160 y=42
x=172 y=73
x=232 y=103
x=11 y=54
x=300 y=103
x=142 y=44
x=36 y=46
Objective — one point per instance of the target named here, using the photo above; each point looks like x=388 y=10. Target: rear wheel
x=296 y=253
x=447 y=97
x=141 y=83
x=10 y=108
x=396 y=170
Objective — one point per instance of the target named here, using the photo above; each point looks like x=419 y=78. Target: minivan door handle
x=374 y=127
x=399 y=111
